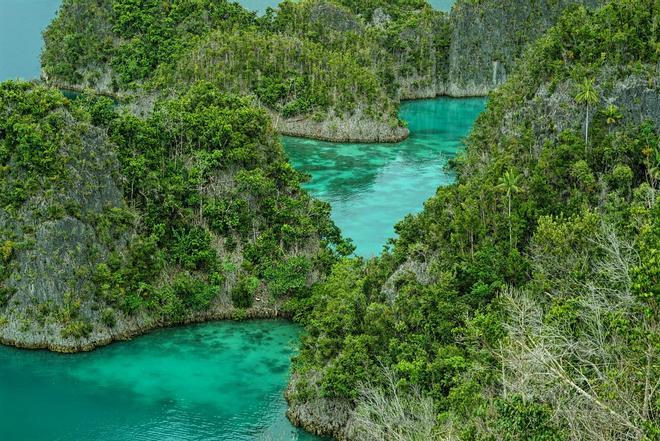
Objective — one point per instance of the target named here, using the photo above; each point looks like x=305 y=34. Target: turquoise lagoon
x=214 y=381
x=372 y=186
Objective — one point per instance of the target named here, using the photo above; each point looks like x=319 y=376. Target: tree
x=612 y=114
x=654 y=167
x=588 y=96
x=591 y=354
x=392 y=414
x=509 y=184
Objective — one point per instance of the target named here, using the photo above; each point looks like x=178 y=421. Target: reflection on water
x=373 y=186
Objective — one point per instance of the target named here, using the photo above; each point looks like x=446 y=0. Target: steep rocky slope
x=522 y=303
x=112 y=224
x=489 y=35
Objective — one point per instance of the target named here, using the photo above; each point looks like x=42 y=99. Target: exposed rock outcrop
x=488 y=36
x=553 y=110
x=355 y=128
x=320 y=416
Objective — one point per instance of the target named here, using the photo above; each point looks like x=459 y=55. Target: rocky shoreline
x=320 y=416
x=334 y=129
x=130 y=328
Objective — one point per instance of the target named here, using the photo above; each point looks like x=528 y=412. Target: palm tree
x=509 y=184
x=588 y=96
x=612 y=114
x=654 y=167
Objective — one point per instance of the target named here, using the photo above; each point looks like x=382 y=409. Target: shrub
x=243 y=294
x=108 y=317
x=288 y=277
x=77 y=329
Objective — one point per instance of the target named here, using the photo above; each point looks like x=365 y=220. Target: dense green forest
x=336 y=63
x=522 y=303
x=326 y=69
x=108 y=217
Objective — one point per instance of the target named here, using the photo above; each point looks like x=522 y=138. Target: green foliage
x=287 y=74
x=108 y=317
x=201 y=176
x=517 y=417
x=242 y=296
x=6 y=292
x=306 y=59
x=194 y=293
x=173 y=161
x=132 y=36
x=289 y=277
x=34 y=132
x=433 y=310
x=77 y=329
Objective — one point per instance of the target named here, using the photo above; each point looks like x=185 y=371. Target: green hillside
x=522 y=303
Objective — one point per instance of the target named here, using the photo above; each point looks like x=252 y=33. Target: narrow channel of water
x=373 y=186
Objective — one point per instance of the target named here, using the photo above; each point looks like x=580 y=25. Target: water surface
x=21 y=24
x=373 y=186
x=216 y=381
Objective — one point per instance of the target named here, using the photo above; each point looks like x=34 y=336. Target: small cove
x=214 y=381
x=373 y=186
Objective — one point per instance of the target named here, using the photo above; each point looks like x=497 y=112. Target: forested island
x=520 y=304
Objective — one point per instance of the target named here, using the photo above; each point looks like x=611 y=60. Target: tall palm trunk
x=510 y=226
x=586 y=131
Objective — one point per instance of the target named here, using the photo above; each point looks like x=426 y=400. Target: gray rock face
x=552 y=111
x=334 y=17
x=320 y=416
x=61 y=242
x=489 y=35
x=353 y=128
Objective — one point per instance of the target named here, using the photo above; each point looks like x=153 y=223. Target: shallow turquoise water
x=373 y=186
x=216 y=381
x=21 y=23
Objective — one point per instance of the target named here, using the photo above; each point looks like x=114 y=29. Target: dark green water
x=373 y=186
x=217 y=381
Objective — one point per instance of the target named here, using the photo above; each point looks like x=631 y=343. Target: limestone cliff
x=489 y=35
x=109 y=227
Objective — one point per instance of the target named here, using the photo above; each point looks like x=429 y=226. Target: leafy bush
x=242 y=295
x=77 y=329
x=108 y=317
